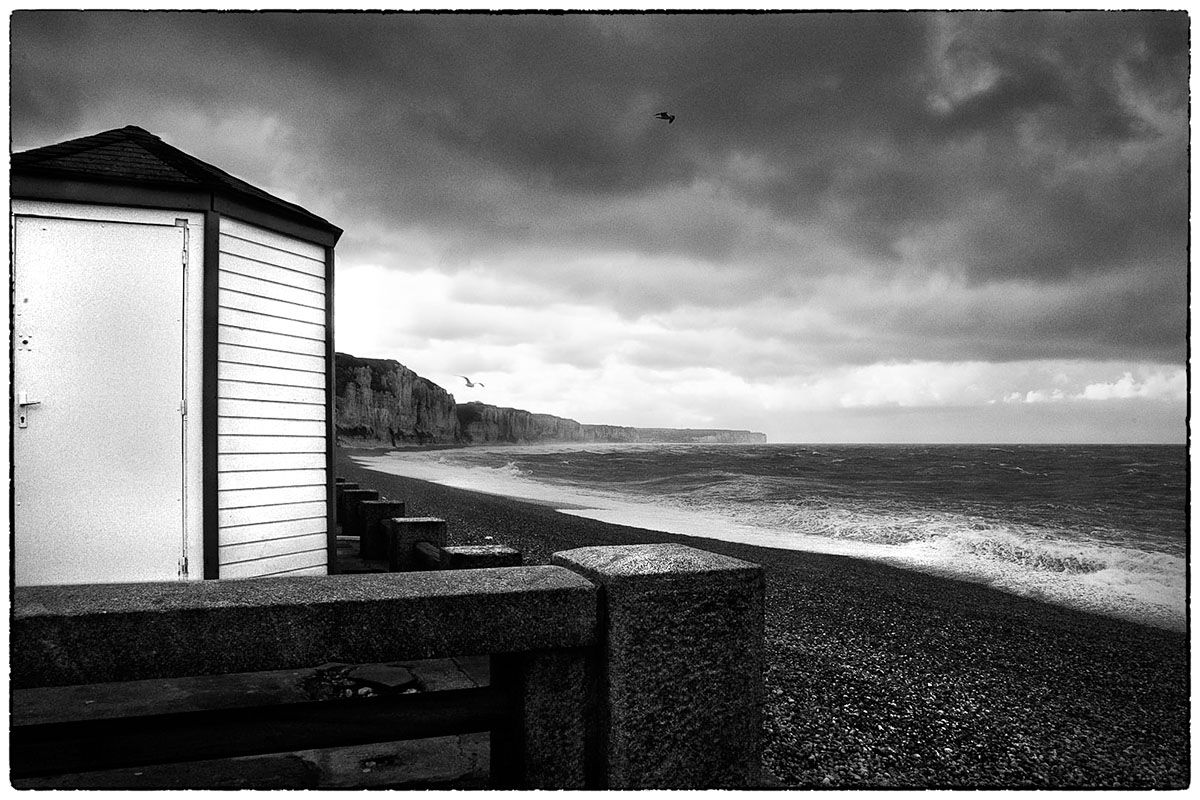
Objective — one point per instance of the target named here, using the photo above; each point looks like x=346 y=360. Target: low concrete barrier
x=616 y=667
x=110 y=632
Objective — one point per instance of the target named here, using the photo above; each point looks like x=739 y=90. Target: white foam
x=1090 y=575
x=506 y=480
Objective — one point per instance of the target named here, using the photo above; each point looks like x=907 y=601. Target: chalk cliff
x=612 y=433
x=382 y=402
x=480 y=423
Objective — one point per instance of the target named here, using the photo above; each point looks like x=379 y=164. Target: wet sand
x=881 y=677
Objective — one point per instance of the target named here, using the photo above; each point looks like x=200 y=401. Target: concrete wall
x=620 y=667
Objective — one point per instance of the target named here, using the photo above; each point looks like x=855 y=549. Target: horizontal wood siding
x=262 y=531
x=271 y=290
x=271 y=405
x=267 y=549
x=233 y=300
x=248 y=390
x=271 y=444
x=268 y=478
x=264 y=340
x=274 y=376
x=260 y=270
x=271 y=496
x=266 y=357
x=269 y=323
x=254 y=515
x=268 y=409
x=309 y=560
x=242 y=426
x=256 y=462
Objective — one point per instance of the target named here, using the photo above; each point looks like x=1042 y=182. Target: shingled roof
x=133 y=155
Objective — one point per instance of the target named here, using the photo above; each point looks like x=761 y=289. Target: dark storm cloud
x=1014 y=94
x=1080 y=326
x=1043 y=148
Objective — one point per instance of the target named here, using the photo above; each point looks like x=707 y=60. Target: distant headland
x=382 y=402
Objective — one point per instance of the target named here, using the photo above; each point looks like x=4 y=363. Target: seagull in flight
x=469 y=383
x=664 y=115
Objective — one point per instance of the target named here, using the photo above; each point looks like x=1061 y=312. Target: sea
x=1100 y=528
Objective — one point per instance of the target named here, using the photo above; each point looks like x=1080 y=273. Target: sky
x=859 y=227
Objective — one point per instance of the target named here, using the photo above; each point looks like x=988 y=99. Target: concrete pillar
x=371 y=538
x=348 y=513
x=338 y=488
x=403 y=533
x=551 y=743
x=681 y=665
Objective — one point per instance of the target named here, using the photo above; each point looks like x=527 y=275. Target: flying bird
x=469 y=383
x=664 y=115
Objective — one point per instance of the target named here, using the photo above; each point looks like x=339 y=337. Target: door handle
x=24 y=402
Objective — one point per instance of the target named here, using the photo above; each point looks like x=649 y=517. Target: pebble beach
x=878 y=677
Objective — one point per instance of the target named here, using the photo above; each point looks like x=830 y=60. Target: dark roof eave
x=275 y=206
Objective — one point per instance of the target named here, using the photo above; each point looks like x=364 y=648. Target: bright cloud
x=1161 y=385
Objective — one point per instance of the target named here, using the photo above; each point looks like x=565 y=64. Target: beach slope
x=880 y=677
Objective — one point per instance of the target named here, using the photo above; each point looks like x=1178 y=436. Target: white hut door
x=98 y=411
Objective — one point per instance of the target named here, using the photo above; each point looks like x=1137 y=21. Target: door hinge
x=183 y=407
x=183 y=223
x=183 y=567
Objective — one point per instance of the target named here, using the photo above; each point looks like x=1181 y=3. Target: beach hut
x=172 y=369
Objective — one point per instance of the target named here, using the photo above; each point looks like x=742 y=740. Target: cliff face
x=611 y=433
x=382 y=402
x=479 y=423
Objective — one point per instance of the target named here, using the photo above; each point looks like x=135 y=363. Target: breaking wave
x=1056 y=558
